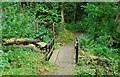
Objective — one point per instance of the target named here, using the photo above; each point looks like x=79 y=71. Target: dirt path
x=65 y=60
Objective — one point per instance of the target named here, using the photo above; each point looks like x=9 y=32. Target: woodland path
x=65 y=59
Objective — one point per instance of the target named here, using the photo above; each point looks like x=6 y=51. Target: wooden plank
x=76 y=50
x=54 y=56
x=49 y=49
x=49 y=54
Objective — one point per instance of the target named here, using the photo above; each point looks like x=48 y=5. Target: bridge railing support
x=49 y=49
x=76 y=50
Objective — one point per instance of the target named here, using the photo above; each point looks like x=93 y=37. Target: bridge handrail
x=49 y=48
x=76 y=50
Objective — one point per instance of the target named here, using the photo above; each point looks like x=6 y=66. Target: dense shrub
x=100 y=28
x=14 y=62
x=21 y=22
x=16 y=23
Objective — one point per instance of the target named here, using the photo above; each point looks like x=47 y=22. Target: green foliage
x=64 y=37
x=21 y=22
x=99 y=27
x=15 y=63
x=47 y=14
x=103 y=18
x=97 y=48
x=16 y=23
x=43 y=34
x=98 y=20
x=94 y=19
x=58 y=28
x=84 y=71
x=16 y=60
x=96 y=69
x=73 y=12
x=75 y=27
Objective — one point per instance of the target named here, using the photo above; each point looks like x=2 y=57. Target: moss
x=65 y=37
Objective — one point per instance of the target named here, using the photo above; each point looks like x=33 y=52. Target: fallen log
x=24 y=41
x=29 y=47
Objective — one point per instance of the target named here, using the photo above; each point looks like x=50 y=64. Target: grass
x=64 y=37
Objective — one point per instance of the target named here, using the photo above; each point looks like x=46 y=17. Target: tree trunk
x=118 y=28
x=118 y=19
x=21 y=8
x=36 y=24
x=1 y=27
x=62 y=13
x=53 y=30
x=75 y=12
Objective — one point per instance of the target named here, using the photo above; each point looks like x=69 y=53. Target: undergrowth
x=97 y=59
x=64 y=37
x=21 y=61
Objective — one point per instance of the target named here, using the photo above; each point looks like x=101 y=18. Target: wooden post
x=46 y=48
x=76 y=49
x=36 y=24
x=49 y=49
x=62 y=13
x=53 y=30
x=53 y=42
